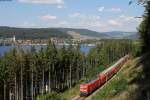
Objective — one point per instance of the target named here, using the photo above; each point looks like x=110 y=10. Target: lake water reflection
x=84 y=48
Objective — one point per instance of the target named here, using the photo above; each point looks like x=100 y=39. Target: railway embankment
x=132 y=82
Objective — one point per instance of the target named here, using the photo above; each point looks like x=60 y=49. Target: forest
x=135 y=85
x=32 y=33
x=24 y=75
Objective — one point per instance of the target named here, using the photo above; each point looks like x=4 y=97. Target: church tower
x=14 y=38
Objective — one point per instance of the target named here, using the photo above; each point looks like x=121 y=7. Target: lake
x=84 y=48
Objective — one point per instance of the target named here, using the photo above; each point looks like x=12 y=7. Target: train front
x=84 y=90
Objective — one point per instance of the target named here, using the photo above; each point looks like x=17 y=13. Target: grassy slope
x=74 y=91
x=67 y=95
x=131 y=83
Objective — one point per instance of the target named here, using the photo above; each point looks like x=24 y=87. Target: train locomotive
x=87 y=88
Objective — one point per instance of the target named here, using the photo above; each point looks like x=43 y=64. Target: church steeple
x=14 y=38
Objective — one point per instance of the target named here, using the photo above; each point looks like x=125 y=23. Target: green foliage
x=32 y=33
x=144 y=29
x=111 y=50
x=52 y=96
x=56 y=70
x=131 y=83
x=112 y=88
x=70 y=93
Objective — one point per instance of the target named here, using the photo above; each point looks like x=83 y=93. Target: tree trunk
x=4 y=90
x=17 y=90
x=49 y=80
x=70 y=76
x=26 y=89
x=16 y=96
x=36 y=85
x=10 y=94
x=21 y=83
x=43 y=81
x=32 y=98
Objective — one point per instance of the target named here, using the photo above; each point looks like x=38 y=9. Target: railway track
x=79 y=98
x=90 y=96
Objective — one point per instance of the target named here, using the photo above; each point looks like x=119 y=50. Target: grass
x=74 y=91
x=52 y=96
x=131 y=83
x=67 y=95
x=70 y=93
x=113 y=87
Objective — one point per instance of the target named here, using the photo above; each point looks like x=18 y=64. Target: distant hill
x=32 y=33
x=44 y=33
x=133 y=37
x=114 y=34
x=85 y=32
x=121 y=34
x=101 y=35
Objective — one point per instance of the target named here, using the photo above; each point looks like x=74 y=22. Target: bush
x=52 y=96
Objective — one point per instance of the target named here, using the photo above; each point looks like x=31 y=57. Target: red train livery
x=103 y=77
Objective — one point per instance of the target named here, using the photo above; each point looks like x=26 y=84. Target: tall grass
x=112 y=88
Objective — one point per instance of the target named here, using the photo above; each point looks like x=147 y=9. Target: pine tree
x=144 y=29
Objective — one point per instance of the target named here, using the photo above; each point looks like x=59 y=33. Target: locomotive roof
x=90 y=81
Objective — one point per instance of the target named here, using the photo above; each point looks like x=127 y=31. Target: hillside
x=131 y=83
x=32 y=33
x=85 y=32
x=132 y=36
x=44 y=33
x=102 y=35
x=121 y=34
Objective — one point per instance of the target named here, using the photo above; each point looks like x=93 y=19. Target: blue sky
x=98 y=15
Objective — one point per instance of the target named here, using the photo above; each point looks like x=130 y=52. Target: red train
x=87 y=88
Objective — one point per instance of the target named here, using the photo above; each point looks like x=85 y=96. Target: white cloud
x=101 y=9
x=93 y=22
x=114 y=23
x=63 y=23
x=115 y=9
x=123 y=19
x=127 y=18
x=60 y=6
x=85 y=21
x=77 y=14
x=123 y=23
x=48 y=17
x=43 y=1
